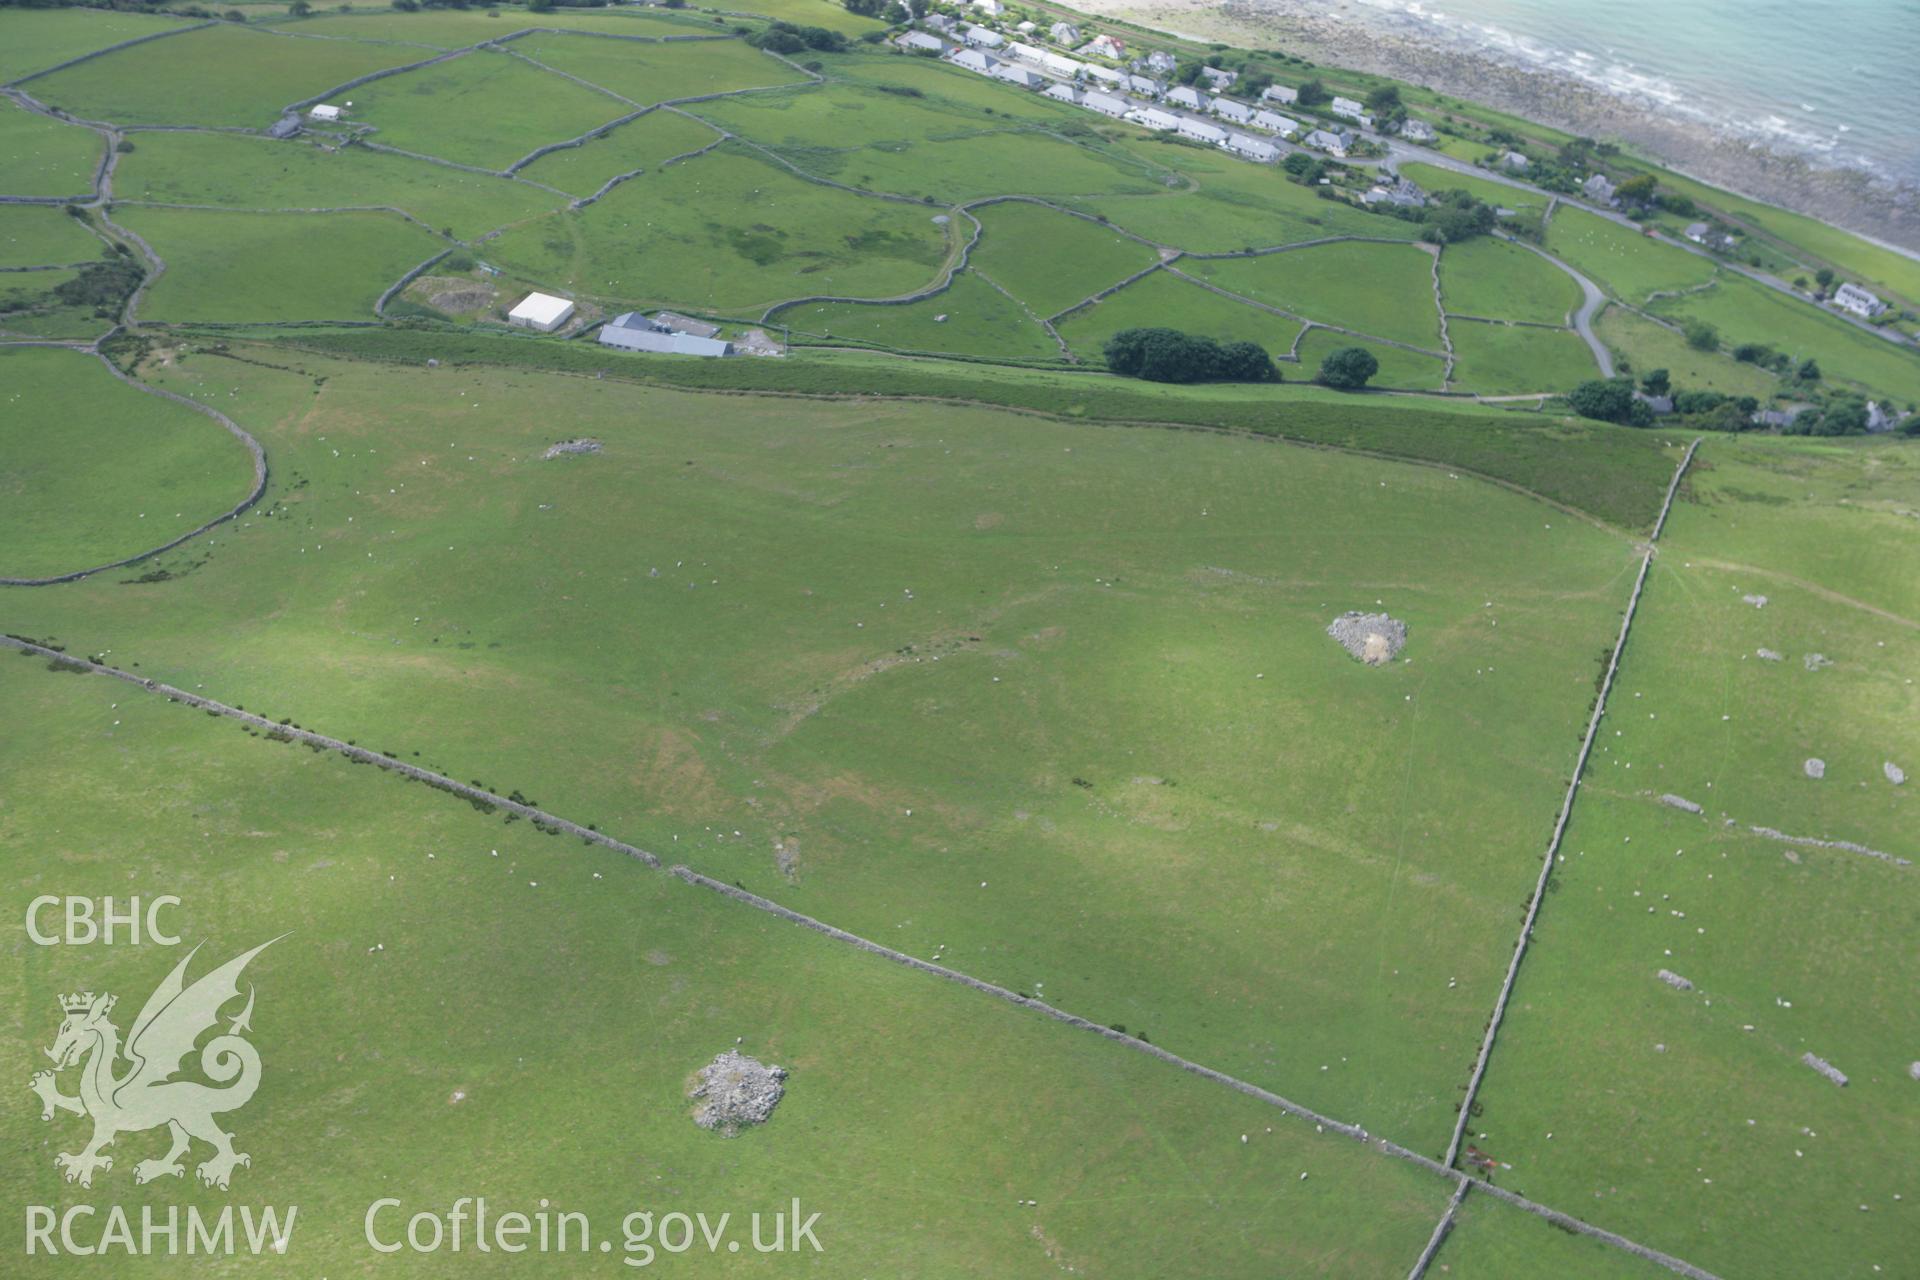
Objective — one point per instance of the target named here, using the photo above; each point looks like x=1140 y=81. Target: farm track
x=589 y=835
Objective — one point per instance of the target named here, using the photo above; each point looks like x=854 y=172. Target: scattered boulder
x=1815 y=661
x=1816 y=768
x=1913 y=1071
x=1680 y=802
x=572 y=446
x=1826 y=1069
x=738 y=1091
x=1895 y=774
x=1674 y=980
x=1372 y=638
x=1758 y=602
x=1770 y=655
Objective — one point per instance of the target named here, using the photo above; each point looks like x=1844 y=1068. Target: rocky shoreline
x=1845 y=197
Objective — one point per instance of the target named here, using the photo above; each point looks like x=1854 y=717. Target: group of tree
x=1347 y=369
x=789 y=38
x=1168 y=355
x=1448 y=217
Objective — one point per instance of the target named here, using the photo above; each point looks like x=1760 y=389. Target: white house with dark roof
x=1201 y=131
x=1329 y=141
x=1228 y=109
x=1275 y=123
x=1253 y=148
x=1187 y=96
x=1348 y=108
x=1852 y=298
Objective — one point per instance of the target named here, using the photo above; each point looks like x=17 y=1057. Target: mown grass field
x=1149 y=607
x=42 y=235
x=647 y=73
x=30 y=308
x=222 y=75
x=528 y=1023
x=1165 y=301
x=1647 y=346
x=254 y=267
x=485 y=108
x=1385 y=291
x=732 y=233
x=93 y=470
x=43 y=157
x=646 y=143
x=1626 y=263
x=1497 y=279
x=38 y=39
x=252 y=173
x=1501 y=359
x=971 y=318
x=1432 y=178
x=1052 y=260
x=458 y=29
x=1747 y=312
x=1710 y=1137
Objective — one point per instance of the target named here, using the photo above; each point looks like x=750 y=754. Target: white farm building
x=635 y=332
x=324 y=111
x=541 y=311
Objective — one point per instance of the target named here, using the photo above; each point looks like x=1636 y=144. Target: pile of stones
x=736 y=1091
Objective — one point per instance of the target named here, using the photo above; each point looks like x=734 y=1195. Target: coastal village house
x=1516 y=162
x=1253 y=148
x=1106 y=105
x=635 y=332
x=983 y=38
x=1201 y=131
x=1162 y=63
x=1145 y=88
x=1334 y=144
x=1418 y=131
x=1599 y=190
x=1860 y=302
x=1228 y=109
x=921 y=40
x=1064 y=93
x=1275 y=123
x=974 y=60
x=1347 y=108
x=1104 y=47
x=1279 y=93
x=1187 y=96
x=1154 y=118
x=1016 y=75
x=1219 y=77
x=992 y=8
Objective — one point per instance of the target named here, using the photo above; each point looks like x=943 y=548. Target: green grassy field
x=458 y=29
x=1432 y=178
x=650 y=73
x=252 y=267
x=1051 y=260
x=442 y=1022
x=1150 y=608
x=1710 y=1137
x=1624 y=262
x=40 y=235
x=1498 y=359
x=43 y=157
x=1491 y=1241
x=1385 y=291
x=223 y=75
x=1648 y=346
x=811 y=13
x=41 y=38
x=731 y=233
x=30 y=308
x=972 y=318
x=645 y=143
x=1399 y=368
x=252 y=173
x=1747 y=312
x=93 y=470
x=486 y=108
x=1495 y=279
x=1165 y=301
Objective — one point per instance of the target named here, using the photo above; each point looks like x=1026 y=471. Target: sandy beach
x=1320 y=32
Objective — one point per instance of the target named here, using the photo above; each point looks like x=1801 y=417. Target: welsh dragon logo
x=146 y=1095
